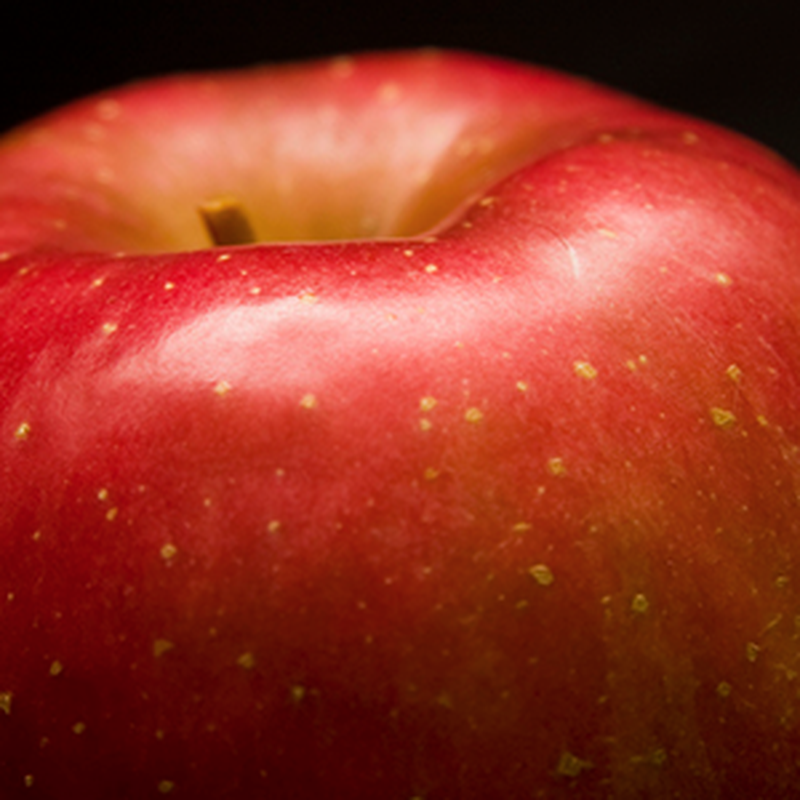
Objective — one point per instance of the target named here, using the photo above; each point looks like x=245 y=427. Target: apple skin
x=499 y=500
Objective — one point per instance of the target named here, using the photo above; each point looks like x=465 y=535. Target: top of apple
x=506 y=512
x=368 y=147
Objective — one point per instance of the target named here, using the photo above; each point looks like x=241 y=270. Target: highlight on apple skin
x=414 y=426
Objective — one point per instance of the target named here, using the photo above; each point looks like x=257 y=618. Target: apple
x=409 y=426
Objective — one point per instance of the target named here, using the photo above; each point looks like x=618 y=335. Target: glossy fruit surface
x=476 y=477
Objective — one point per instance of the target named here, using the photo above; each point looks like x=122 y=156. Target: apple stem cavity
x=226 y=221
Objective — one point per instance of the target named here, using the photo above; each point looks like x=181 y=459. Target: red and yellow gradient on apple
x=473 y=476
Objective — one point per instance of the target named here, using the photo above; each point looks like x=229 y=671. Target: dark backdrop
x=733 y=61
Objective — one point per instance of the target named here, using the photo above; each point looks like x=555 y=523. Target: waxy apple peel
x=413 y=425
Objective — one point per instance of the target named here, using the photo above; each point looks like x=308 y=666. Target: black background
x=736 y=62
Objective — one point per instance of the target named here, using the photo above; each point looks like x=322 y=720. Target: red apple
x=496 y=498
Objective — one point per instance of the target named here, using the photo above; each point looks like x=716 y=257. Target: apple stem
x=226 y=221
